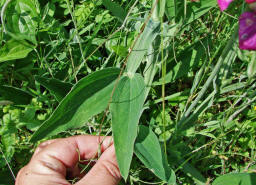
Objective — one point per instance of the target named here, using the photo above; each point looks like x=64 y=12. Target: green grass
x=200 y=92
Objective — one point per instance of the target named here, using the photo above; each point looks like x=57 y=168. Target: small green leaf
x=115 y=9
x=15 y=95
x=14 y=49
x=236 y=179
x=148 y=150
x=87 y=98
x=120 y=50
x=21 y=19
x=126 y=110
x=58 y=88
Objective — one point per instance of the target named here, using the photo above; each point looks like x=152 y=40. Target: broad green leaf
x=22 y=19
x=58 y=88
x=87 y=98
x=141 y=47
x=236 y=179
x=15 y=95
x=147 y=148
x=126 y=109
x=14 y=49
x=115 y=9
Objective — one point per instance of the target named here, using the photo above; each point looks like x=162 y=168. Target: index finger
x=67 y=150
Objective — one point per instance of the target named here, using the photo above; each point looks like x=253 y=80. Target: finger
x=52 y=161
x=105 y=171
x=43 y=145
x=67 y=150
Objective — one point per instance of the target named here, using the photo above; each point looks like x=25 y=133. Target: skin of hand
x=53 y=158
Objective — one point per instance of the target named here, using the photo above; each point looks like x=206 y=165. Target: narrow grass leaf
x=232 y=87
x=58 y=89
x=148 y=150
x=194 y=173
x=222 y=60
x=126 y=110
x=175 y=97
x=87 y=98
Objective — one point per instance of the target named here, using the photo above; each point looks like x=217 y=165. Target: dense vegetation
x=172 y=67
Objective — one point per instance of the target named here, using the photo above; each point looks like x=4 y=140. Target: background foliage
x=184 y=81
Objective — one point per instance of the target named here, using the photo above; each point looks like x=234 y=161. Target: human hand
x=52 y=159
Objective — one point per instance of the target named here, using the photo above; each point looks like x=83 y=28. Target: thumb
x=105 y=171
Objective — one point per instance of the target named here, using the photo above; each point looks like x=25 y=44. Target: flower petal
x=247 y=31
x=223 y=4
x=250 y=1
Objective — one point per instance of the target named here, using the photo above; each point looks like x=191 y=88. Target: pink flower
x=247 y=31
x=223 y=4
x=250 y=1
x=247 y=25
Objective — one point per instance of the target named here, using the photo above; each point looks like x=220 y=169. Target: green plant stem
x=79 y=38
x=9 y=167
x=163 y=87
